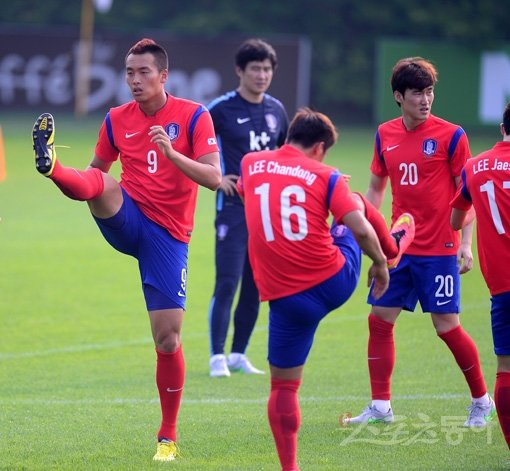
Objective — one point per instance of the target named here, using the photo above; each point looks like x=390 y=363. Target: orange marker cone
x=3 y=173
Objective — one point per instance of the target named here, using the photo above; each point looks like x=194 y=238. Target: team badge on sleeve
x=172 y=130
x=429 y=147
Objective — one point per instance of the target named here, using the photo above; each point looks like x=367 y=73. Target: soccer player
x=298 y=266
x=422 y=156
x=245 y=120
x=485 y=185
x=167 y=147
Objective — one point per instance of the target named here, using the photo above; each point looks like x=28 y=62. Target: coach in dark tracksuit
x=246 y=120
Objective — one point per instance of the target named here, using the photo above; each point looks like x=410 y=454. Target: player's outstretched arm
x=376 y=189
x=369 y=243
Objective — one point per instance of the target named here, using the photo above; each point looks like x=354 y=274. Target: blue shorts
x=162 y=259
x=500 y=321
x=433 y=281
x=294 y=319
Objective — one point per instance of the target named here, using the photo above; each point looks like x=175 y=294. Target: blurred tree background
x=343 y=33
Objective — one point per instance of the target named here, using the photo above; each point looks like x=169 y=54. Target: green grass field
x=77 y=361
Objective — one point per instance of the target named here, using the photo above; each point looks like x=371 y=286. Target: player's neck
x=152 y=106
x=250 y=96
x=411 y=124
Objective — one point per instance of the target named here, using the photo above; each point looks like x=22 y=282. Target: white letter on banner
x=494 y=86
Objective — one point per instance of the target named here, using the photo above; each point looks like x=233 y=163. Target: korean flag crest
x=172 y=130
x=429 y=147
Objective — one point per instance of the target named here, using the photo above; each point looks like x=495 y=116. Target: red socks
x=285 y=418
x=170 y=382
x=381 y=357
x=502 y=399
x=388 y=244
x=81 y=185
x=466 y=355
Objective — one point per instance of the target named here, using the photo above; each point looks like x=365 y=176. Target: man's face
x=416 y=104
x=256 y=76
x=143 y=77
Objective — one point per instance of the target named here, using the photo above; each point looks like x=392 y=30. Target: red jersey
x=162 y=192
x=288 y=197
x=486 y=186
x=422 y=165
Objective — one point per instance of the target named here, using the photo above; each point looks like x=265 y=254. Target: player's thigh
x=437 y=283
x=293 y=320
x=123 y=230
x=500 y=322
x=163 y=264
x=401 y=292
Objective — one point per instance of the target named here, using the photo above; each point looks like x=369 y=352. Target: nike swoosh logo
x=391 y=147
x=173 y=390
x=128 y=135
x=181 y=294
x=442 y=303
x=242 y=120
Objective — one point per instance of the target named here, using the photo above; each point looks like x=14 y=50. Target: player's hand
x=161 y=139
x=464 y=258
x=379 y=277
x=228 y=184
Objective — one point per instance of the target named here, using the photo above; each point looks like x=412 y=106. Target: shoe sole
x=219 y=375
x=409 y=238
x=43 y=136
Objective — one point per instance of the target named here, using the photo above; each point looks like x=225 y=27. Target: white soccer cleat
x=480 y=415
x=371 y=415
x=218 y=366
x=240 y=362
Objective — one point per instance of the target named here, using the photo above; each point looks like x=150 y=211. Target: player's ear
x=164 y=75
x=398 y=97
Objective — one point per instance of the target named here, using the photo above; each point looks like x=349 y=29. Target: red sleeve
x=378 y=167
x=341 y=201
x=239 y=186
x=459 y=202
x=204 y=137
x=104 y=148
x=460 y=156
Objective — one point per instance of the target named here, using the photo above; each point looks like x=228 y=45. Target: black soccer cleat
x=43 y=136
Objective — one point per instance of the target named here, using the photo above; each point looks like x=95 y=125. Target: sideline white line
x=75 y=349
x=212 y=401
x=332 y=319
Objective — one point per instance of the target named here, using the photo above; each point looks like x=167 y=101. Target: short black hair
x=308 y=127
x=413 y=73
x=255 y=49
x=506 y=119
x=149 y=45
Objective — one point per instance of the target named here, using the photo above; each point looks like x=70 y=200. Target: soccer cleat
x=43 y=136
x=480 y=415
x=240 y=362
x=166 y=451
x=371 y=415
x=403 y=233
x=218 y=366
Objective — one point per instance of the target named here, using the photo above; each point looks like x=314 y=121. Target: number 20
x=409 y=174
